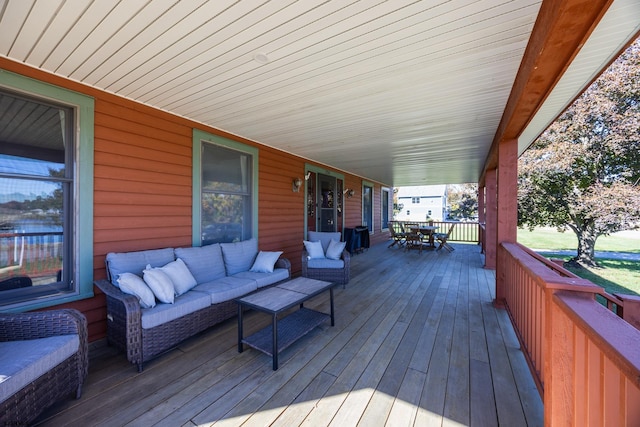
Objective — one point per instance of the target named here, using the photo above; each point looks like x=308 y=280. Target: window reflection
x=35 y=198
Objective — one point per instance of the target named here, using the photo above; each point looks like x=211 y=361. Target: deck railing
x=462 y=232
x=34 y=254
x=584 y=357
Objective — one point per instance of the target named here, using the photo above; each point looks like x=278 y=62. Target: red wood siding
x=353 y=205
x=281 y=211
x=143 y=186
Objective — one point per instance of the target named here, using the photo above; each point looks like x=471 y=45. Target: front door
x=324 y=202
x=327 y=203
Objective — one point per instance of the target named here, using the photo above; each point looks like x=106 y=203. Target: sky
x=25 y=166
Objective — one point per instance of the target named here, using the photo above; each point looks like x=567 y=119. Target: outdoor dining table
x=427 y=231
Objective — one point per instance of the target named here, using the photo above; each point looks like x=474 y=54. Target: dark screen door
x=327 y=203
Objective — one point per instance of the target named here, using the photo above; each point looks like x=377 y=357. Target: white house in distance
x=422 y=203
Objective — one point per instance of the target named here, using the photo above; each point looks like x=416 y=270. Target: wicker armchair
x=340 y=275
x=60 y=382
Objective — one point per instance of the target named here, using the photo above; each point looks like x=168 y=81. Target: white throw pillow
x=265 y=261
x=131 y=284
x=334 y=251
x=314 y=249
x=180 y=276
x=160 y=284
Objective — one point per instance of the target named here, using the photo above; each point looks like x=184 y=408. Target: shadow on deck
x=416 y=342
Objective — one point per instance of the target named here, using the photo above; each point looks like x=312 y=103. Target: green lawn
x=616 y=276
x=550 y=239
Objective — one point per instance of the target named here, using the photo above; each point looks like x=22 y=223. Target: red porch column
x=491 y=212
x=507 y=209
x=508 y=191
x=482 y=217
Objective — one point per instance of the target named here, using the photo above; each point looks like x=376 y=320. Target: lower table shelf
x=290 y=329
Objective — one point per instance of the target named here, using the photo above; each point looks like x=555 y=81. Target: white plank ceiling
x=403 y=92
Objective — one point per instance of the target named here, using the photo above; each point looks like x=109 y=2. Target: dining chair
x=413 y=239
x=398 y=234
x=442 y=239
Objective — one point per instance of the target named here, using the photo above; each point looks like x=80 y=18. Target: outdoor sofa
x=44 y=358
x=219 y=273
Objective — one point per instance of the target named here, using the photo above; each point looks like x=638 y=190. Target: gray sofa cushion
x=182 y=305
x=226 y=288
x=264 y=279
x=205 y=262
x=22 y=362
x=239 y=256
x=325 y=263
x=135 y=262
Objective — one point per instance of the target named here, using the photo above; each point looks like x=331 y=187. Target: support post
x=507 y=207
x=491 y=220
x=482 y=218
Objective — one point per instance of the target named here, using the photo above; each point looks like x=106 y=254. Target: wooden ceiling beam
x=560 y=31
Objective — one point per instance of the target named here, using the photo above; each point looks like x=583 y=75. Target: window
x=226 y=195
x=43 y=207
x=385 y=207
x=367 y=206
x=226 y=187
x=415 y=200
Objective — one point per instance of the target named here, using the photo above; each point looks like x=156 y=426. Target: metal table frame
x=285 y=331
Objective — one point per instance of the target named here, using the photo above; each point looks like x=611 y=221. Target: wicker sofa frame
x=62 y=381
x=125 y=332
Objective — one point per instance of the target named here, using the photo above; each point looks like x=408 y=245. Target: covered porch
x=417 y=341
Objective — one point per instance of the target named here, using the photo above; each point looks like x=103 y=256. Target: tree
x=397 y=207
x=583 y=172
x=462 y=201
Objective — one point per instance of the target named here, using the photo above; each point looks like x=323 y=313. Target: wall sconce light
x=349 y=192
x=297 y=183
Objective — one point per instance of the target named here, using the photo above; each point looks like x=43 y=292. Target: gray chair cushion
x=239 y=256
x=135 y=262
x=22 y=362
x=324 y=237
x=227 y=288
x=205 y=262
x=264 y=279
x=325 y=263
x=182 y=305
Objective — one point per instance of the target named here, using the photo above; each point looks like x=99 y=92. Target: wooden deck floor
x=417 y=342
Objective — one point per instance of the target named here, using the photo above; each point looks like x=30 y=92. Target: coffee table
x=286 y=330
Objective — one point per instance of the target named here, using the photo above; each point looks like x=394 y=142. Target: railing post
x=558 y=358
x=631 y=309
